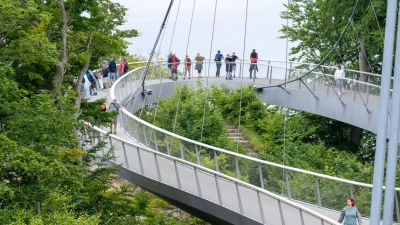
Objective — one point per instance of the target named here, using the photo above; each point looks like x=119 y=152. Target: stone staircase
x=237 y=136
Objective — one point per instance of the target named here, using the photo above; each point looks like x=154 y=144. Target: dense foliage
x=45 y=175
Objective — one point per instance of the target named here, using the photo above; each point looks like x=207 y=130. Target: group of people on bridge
x=230 y=63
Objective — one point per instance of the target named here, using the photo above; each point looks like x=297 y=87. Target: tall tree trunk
x=63 y=52
x=356 y=135
x=84 y=69
x=356 y=132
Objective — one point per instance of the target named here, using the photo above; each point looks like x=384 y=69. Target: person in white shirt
x=339 y=75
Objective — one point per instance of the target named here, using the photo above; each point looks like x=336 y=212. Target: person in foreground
x=350 y=214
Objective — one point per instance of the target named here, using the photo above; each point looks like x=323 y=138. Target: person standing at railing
x=218 y=58
x=199 y=64
x=104 y=72
x=339 y=78
x=228 y=64
x=114 y=106
x=169 y=64
x=175 y=64
x=233 y=60
x=113 y=70
x=350 y=214
x=188 y=66
x=253 y=63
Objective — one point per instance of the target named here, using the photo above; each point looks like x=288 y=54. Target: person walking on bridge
x=253 y=63
x=218 y=58
x=350 y=214
x=339 y=75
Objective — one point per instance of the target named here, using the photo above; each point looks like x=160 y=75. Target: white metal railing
x=329 y=191
x=147 y=162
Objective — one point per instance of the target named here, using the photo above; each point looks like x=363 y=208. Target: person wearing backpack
x=253 y=63
x=169 y=62
x=121 y=67
x=218 y=58
x=126 y=66
x=188 y=66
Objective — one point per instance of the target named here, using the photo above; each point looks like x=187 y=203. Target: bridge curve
x=297 y=98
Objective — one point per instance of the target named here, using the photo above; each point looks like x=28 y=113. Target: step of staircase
x=242 y=141
x=232 y=130
x=235 y=137
x=235 y=134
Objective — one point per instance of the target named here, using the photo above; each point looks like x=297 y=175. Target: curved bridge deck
x=206 y=192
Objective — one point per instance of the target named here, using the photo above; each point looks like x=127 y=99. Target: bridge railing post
x=239 y=199
x=140 y=161
x=396 y=198
x=288 y=185
x=177 y=175
x=155 y=140
x=237 y=168
x=197 y=182
x=145 y=136
x=216 y=161
x=197 y=155
x=157 y=167
x=261 y=176
x=125 y=155
x=218 y=190
x=260 y=207
x=318 y=192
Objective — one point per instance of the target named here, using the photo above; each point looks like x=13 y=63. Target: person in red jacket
x=253 y=61
x=175 y=63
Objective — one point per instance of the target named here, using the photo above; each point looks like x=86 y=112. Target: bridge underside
x=327 y=105
x=199 y=207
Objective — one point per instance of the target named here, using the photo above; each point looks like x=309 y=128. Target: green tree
x=316 y=26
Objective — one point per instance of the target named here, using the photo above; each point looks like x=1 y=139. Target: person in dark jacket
x=169 y=61
x=253 y=61
x=218 y=58
x=112 y=66
x=228 y=64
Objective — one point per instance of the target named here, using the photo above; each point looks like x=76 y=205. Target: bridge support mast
x=380 y=152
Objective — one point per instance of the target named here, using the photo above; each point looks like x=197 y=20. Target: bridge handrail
x=281 y=61
x=240 y=155
x=234 y=180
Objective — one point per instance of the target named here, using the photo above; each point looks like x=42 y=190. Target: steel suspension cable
x=241 y=80
x=173 y=31
x=187 y=46
x=158 y=52
x=376 y=18
x=285 y=111
x=209 y=62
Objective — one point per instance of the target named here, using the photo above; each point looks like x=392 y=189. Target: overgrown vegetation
x=45 y=175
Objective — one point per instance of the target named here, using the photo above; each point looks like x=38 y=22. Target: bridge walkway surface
x=163 y=174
